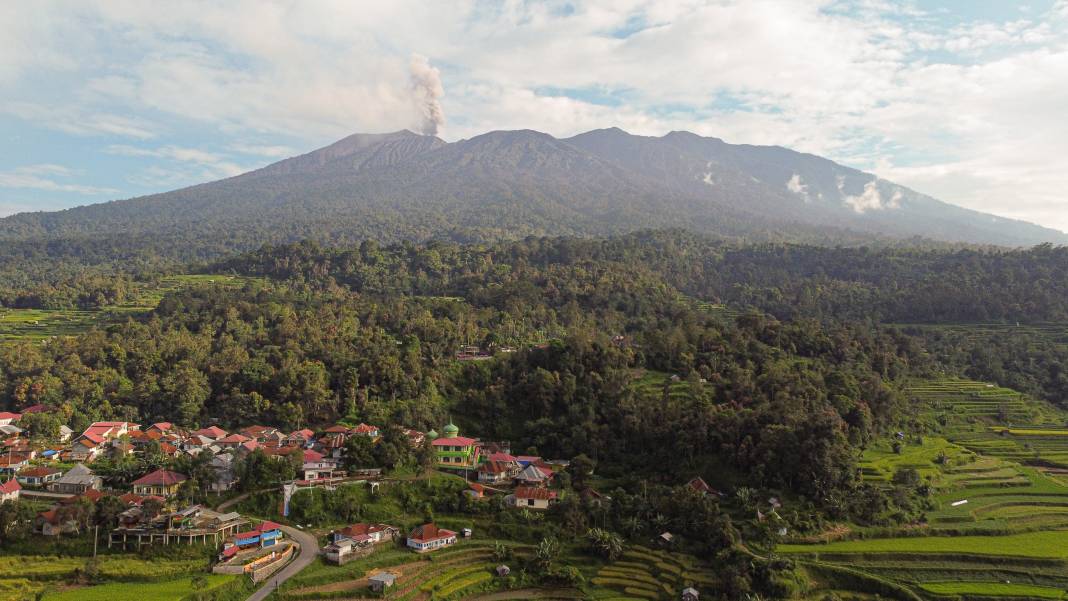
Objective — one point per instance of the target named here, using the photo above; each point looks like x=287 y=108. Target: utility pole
x=96 y=538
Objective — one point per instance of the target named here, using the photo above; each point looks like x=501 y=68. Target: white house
x=429 y=537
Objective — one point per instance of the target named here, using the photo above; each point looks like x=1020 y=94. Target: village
x=154 y=509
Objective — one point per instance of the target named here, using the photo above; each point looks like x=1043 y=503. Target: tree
x=358 y=452
x=107 y=510
x=604 y=543
x=546 y=554
x=425 y=456
x=581 y=469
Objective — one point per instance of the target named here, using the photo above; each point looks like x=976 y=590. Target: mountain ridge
x=512 y=183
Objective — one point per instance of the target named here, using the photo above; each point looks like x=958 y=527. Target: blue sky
x=959 y=99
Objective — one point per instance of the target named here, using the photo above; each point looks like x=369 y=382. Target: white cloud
x=871 y=199
x=970 y=111
x=214 y=164
x=43 y=177
x=796 y=186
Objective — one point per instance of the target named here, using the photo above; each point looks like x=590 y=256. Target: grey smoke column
x=427 y=92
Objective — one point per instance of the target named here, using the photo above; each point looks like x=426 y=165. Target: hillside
x=511 y=184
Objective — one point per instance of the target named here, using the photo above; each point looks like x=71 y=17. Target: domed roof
x=432 y=434
x=451 y=430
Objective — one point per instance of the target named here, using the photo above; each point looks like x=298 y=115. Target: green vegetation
x=172 y=590
x=112 y=577
x=993 y=589
x=43 y=323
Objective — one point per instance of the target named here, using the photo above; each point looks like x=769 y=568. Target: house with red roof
x=364 y=533
x=110 y=430
x=429 y=537
x=497 y=472
x=365 y=430
x=161 y=427
x=38 y=475
x=212 y=432
x=232 y=441
x=11 y=463
x=161 y=483
x=8 y=418
x=9 y=491
x=699 y=485
x=532 y=497
x=299 y=438
x=38 y=408
x=87 y=448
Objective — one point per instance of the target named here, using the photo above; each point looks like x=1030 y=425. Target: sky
x=965 y=100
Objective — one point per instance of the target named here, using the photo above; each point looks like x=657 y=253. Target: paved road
x=309 y=550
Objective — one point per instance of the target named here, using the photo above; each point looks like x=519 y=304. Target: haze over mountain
x=508 y=184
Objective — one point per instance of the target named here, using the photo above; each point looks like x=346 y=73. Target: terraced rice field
x=644 y=573
x=455 y=572
x=958 y=401
x=40 y=324
x=998 y=523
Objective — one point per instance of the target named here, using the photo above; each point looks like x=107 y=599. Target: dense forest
x=784 y=359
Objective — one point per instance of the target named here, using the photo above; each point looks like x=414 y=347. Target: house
x=110 y=430
x=10 y=431
x=300 y=438
x=497 y=472
x=530 y=497
x=475 y=490
x=87 y=448
x=232 y=441
x=362 y=532
x=415 y=437
x=161 y=483
x=11 y=463
x=666 y=538
x=38 y=476
x=8 y=418
x=160 y=427
x=456 y=452
x=212 y=432
x=699 y=485
x=223 y=464
x=365 y=430
x=534 y=476
x=381 y=581
x=259 y=433
x=266 y=534
x=690 y=594
x=9 y=491
x=78 y=480
x=54 y=522
x=65 y=433
x=318 y=467
x=429 y=537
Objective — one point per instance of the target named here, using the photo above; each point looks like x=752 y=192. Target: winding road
x=309 y=550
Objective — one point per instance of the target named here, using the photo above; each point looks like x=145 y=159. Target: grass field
x=173 y=590
x=1051 y=545
x=126 y=576
x=40 y=324
x=993 y=589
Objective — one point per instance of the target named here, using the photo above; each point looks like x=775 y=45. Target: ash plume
x=426 y=93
